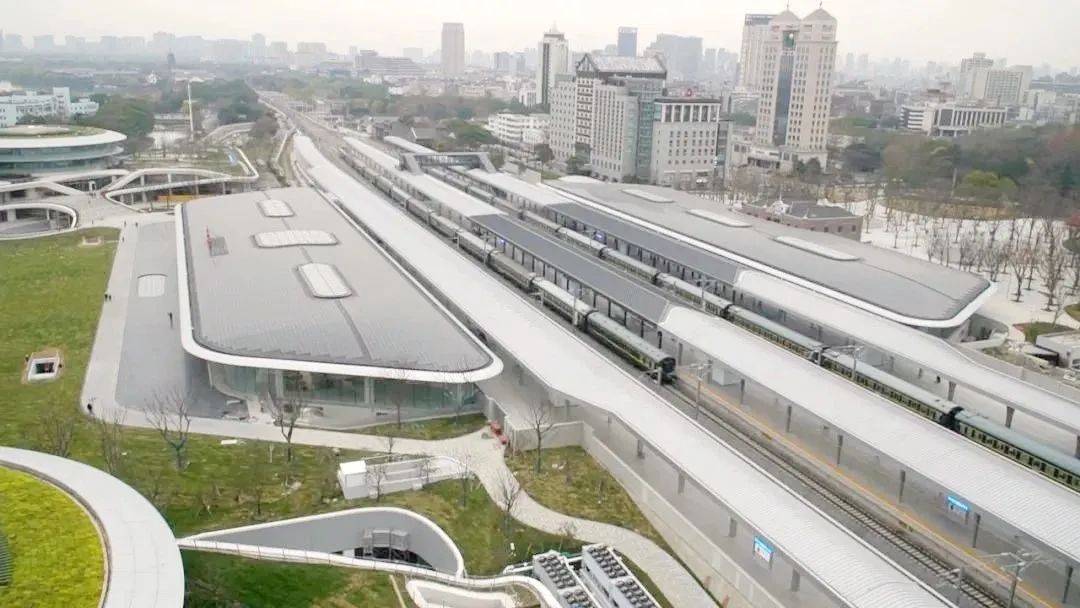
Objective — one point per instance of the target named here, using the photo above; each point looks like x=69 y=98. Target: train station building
x=287 y=301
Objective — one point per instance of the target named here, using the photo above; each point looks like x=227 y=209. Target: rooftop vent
x=293 y=238
x=324 y=281
x=705 y=214
x=647 y=196
x=822 y=250
x=271 y=207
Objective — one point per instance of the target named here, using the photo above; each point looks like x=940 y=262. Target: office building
x=627 y=46
x=795 y=87
x=681 y=55
x=950 y=119
x=453 y=50
x=603 y=117
x=162 y=42
x=978 y=60
x=278 y=53
x=525 y=129
x=708 y=63
x=258 y=48
x=1001 y=86
x=13 y=43
x=553 y=57
x=30 y=150
x=755 y=32
x=44 y=44
x=503 y=63
x=55 y=106
x=689 y=141
x=310 y=53
x=74 y=44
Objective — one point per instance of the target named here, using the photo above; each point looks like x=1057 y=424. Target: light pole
x=703 y=283
x=851 y=349
x=700 y=368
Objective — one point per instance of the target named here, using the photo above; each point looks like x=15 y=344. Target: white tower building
x=553 y=60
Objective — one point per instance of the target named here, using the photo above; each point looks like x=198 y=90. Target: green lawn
x=435 y=429
x=56 y=550
x=214 y=581
x=1073 y=310
x=571 y=482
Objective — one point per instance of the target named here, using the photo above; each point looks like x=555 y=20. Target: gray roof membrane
x=889 y=280
x=252 y=301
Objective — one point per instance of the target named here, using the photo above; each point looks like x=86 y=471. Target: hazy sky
x=1024 y=31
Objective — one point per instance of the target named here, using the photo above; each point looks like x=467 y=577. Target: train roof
x=845 y=565
x=915 y=346
x=1042 y=509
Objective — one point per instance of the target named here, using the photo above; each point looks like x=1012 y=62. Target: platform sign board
x=957 y=509
x=763 y=550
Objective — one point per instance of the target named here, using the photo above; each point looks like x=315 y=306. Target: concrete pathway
x=479 y=451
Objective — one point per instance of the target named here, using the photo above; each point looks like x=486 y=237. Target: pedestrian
x=170 y=321
x=89 y=407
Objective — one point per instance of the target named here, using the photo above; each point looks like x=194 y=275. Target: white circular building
x=28 y=150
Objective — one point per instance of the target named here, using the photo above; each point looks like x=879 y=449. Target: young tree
x=464 y=459
x=544 y=154
x=376 y=476
x=170 y=413
x=110 y=431
x=425 y=468
x=288 y=408
x=390 y=441
x=1021 y=258
x=57 y=426
x=509 y=492
x=1051 y=262
x=541 y=421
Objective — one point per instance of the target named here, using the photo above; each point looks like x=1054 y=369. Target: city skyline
x=915 y=29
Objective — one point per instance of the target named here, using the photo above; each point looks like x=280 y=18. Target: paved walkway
x=480 y=452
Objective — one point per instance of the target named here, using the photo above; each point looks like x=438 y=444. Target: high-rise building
x=689 y=141
x=849 y=64
x=978 y=60
x=503 y=63
x=162 y=42
x=553 y=60
x=798 y=59
x=708 y=65
x=627 y=42
x=44 y=44
x=74 y=44
x=453 y=49
x=278 y=53
x=1003 y=87
x=680 y=54
x=755 y=31
x=604 y=115
x=863 y=65
x=310 y=53
x=258 y=48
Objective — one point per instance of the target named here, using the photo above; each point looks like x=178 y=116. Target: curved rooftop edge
x=458 y=558
x=42 y=205
x=193 y=346
x=846 y=566
x=26 y=139
x=143 y=559
x=958 y=315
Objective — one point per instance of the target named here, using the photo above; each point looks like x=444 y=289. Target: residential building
x=680 y=54
x=162 y=42
x=310 y=54
x=525 y=129
x=1004 y=87
x=604 y=115
x=950 y=119
x=74 y=44
x=503 y=63
x=453 y=50
x=798 y=59
x=627 y=46
x=689 y=141
x=554 y=61
x=808 y=215
x=755 y=32
x=258 y=48
x=44 y=44
x=528 y=96
x=13 y=43
x=978 y=60
x=387 y=67
x=279 y=52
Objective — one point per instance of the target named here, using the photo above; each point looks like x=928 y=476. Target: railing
x=6 y=565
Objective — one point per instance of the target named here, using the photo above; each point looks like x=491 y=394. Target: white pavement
x=482 y=454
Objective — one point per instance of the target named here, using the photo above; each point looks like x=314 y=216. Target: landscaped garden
x=55 y=550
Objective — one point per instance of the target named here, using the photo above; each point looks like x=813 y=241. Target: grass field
x=57 y=553
x=1034 y=330
x=430 y=430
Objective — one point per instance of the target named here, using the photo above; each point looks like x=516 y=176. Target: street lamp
x=851 y=349
x=703 y=283
x=700 y=368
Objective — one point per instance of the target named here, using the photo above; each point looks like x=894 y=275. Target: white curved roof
x=823 y=550
x=916 y=346
x=1044 y=510
x=101 y=136
x=144 y=566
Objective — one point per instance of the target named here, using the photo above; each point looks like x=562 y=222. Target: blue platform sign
x=763 y=550
x=957 y=508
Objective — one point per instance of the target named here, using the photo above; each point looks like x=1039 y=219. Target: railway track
x=975 y=594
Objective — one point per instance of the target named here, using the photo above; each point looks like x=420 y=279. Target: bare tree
x=425 y=468
x=508 y=493
x=170 y=413
x=390 y=441
x=110 y=432
x=541 y=421
x=57 y=426
x=567 y=534
x=288 y=409
x=465 y=460
x=1051 y=262
x=1021 y=258
x=375 y=476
